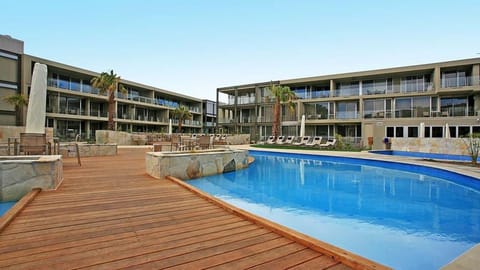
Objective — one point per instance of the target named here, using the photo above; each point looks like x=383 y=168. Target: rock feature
x=230 y=166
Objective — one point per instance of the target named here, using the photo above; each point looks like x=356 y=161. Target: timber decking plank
x=321 y=262
x=109 y=214
x=290 y=260
x=258 y=258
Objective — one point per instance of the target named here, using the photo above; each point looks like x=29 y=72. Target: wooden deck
x=109 y=214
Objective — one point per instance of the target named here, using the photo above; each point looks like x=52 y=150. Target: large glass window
x=455 y=79
x=418 y=83
x=457 y=106
x=403 y=107
x=374 y=108
x=421 y=106
x=347 y=89
x=374 y=87
x=318 y=110
x=346 y=110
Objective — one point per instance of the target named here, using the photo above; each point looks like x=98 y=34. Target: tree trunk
x=180 y=120
x=111 y=110
x=276 y=118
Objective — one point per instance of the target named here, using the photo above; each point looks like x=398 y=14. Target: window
x=455 y=79
x=437 y=132
x=374 y=108
x=463 y=131
x=453 y=132
x=454 y=106
x=390 y=132
x=418 y=83
x=399 y=132
x=413 y=132
x=403 y=107
x=346 y=110
x=427 y=132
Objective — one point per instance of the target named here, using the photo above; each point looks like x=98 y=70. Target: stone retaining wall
x=125 y=138
x=20 y=174
x=452 y=146
x=189 y=165
x=88 y=150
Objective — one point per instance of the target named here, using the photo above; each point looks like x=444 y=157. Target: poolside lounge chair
x=204 y=142
x=289 y=140
x=315 y=141
x=271 y=140
x=304 y=140
x=328 y=143
x=280 y=140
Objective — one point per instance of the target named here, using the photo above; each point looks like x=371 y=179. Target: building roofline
x=399 y=69
x=250 y=85
x=122 y=80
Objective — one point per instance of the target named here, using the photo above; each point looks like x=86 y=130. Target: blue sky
x=195 y=46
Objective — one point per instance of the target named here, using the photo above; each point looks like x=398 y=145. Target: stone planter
x=20 y=174
x=189 y=165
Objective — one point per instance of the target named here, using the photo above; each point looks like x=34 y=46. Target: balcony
x=98 y=113
x=243 y=100
x=346 y=92
x=346 y=115
x=456 y=82
x=413 y=86
x=73 y=86
x=316 y=116
x=321 y=94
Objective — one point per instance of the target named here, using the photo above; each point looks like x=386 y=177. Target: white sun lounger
x=316 y=141
x=280 y=140
x=329 y=143
x=289 y=139
x=271 y=140
x=304 y=140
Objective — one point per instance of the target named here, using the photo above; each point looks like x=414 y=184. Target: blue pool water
x=421 y=155
x=400 y=215
x=4 y=206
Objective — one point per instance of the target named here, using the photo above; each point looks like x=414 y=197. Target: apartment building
x=209 y=116
x=412 y=101
x=74 y=107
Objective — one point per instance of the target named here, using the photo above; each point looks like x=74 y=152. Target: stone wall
x=20 y=174
x=14 y=132
x=119 y=137
x=238 y=139
x=189 y=165
x=451 y=146
x=125 y=138
x=88 y=150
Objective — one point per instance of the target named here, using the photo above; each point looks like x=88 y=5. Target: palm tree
x=282 y=94
x=182 y=113
x=19 y=101
x=107 y=83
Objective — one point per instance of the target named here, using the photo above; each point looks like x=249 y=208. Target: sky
x=193 y=47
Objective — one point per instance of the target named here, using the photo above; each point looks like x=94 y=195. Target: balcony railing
x=73 y=86
x=346 y=92
x=98 y=114
x=460 y=81
x=245 y=100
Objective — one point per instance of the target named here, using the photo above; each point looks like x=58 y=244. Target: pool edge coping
x=459 y=169
x=338 y=254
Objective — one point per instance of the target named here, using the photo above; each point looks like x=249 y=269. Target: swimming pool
x=4 y=206
x=400 y=215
